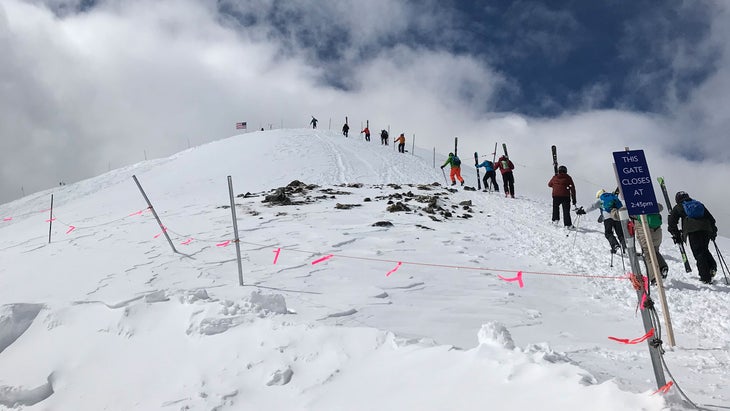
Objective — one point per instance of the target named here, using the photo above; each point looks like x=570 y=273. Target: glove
x=713 y=236
x=600 y=218
x=580 y=211
x=442 y=167
x=677 y=238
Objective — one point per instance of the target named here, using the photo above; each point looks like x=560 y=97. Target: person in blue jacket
x=490 y=174
x=609 y=203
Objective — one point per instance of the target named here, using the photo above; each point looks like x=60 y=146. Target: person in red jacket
x=505 y=166
x=563 y=193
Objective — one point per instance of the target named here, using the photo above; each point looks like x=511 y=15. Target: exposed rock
x=346 y=206
x=278 y=197
x=398 y=207
x=383 y=224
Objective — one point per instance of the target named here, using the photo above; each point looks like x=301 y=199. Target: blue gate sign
x=633 y=175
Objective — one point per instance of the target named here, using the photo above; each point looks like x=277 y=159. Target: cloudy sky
x=91 y=85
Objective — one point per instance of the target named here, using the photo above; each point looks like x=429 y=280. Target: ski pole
x=723 y=264
x=577 y=223
x=444 y=173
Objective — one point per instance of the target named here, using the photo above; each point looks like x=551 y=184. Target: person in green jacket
x=455 y=173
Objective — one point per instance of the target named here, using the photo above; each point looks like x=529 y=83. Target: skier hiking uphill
x=313 y=122
x=563 y=194
x=401 y=140
x=455 y=163
x=609 y=203
x=699 y=226
x=505 y=166
x=383 y=137
x=490 y=174
x=654 y=222
x=345 y=129
x=366 y=130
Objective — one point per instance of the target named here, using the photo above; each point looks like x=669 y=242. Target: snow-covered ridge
x=107 y=316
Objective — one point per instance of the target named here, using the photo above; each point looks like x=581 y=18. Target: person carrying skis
x=345 y=129
x=401 y=140
x=455 y=168
x=313 y=122
x=490 y=174
x=383 y=137
x=654 y=222
x=505 y=166
x=610 y=204
x=366 y=130
x=563 y=193
x=699 y=226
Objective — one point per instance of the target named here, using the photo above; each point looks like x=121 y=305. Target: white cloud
x=84 y=92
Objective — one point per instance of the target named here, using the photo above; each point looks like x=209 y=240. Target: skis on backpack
x=687 y=267
x=476 y=163
x=504 y=147
x=555 y=158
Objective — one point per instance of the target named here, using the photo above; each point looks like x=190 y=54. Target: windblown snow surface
x=368 y=285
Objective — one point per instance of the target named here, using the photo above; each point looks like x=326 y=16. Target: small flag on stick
x=241 y=126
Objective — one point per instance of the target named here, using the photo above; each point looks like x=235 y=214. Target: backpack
x=654 y=220
x=693 y=208
x=456 y=162
x=610 y=201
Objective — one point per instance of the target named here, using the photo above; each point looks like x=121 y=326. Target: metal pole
x=434 y=157
x=50 y=221
x=654 y=353
x=413 y=144
x=162 y=227
x=658 y=277
x=235 y=231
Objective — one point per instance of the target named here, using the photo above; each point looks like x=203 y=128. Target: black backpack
x=456 y=161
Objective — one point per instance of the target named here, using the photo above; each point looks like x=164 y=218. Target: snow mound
x=496 y=335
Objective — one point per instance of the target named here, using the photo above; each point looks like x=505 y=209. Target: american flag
x=241 y=126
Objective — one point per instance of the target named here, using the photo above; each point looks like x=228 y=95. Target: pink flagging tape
x=397 y=266
x=70 y=228
x=138 y=212
x=325 y=258
x=664 y=388
x=635 y=340
x=518 y=278
x=186 y=242
x=7 y=218
x=51 y=219
x=159 y=234
x=223 y=244
x=276 y=256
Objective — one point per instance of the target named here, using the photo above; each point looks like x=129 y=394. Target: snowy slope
x=408 y=316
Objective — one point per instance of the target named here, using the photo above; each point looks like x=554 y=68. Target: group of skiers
x=401 y=139
x=504 y=165
x=698 y=225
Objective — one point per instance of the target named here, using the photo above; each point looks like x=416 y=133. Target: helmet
x=562 y=169
x=451 y=154
x=601 y=191
x=681 y=196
